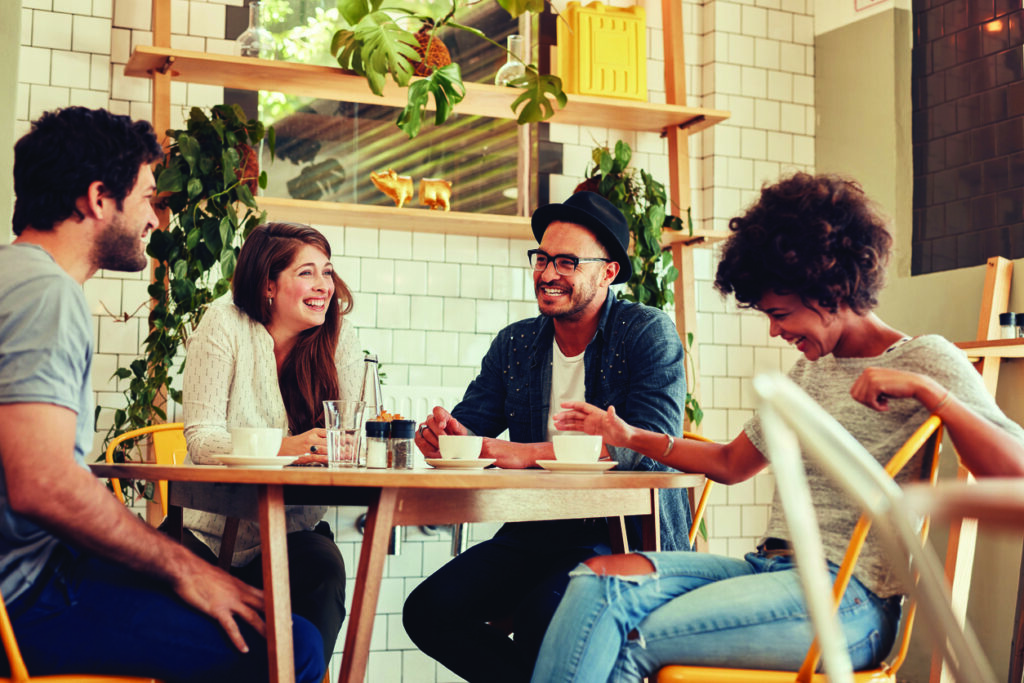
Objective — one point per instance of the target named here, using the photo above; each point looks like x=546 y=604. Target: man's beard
x=583 y=294
x=116 y=247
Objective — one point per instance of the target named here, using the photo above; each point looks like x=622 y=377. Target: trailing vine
x=207 y=182
x=644 y=203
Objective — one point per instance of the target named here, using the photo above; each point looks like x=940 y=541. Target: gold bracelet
x=668 y=446
x=940 y=404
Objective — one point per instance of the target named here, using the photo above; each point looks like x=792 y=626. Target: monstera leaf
x=445 y=84
x=376 y=43
x=375 y=47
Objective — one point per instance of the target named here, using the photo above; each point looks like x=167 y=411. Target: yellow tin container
x=603 y=51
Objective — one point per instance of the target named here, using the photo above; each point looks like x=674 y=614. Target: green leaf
x=227 y=262
x=518 y=7
x=535 y=104
x=623 y=154
x=263 y=180
x=169 y=179
x=195 y=187
x=445 y=84
x=190 y=150
x=385 y=48
x=353 y=11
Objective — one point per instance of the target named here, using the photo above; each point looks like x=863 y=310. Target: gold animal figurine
x=436 y=193
x=398 y=187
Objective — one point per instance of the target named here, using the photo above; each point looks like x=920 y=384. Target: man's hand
x=439 y=422
x=223 y=597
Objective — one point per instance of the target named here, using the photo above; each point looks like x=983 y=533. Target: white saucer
x=565 y=466
x=273 y=462
x=467 y=464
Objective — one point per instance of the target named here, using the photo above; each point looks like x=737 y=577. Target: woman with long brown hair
x=269 y=357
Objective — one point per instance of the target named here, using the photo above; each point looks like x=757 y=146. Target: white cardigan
x=231 y=381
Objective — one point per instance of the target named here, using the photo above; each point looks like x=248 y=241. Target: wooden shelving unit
x=332 y=83
x=676 y=122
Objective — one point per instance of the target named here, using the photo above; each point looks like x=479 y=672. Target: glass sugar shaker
x=377 y=444
x=403 y=447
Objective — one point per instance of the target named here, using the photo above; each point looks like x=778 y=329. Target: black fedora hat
x=598 y=215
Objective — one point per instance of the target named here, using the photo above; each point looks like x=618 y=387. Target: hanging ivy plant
x=207 y=181
x=644 y=203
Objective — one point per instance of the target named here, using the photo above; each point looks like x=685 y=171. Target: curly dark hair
x=69 y=149
x=816 y=236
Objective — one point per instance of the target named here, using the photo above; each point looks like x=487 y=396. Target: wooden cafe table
x=394 y=498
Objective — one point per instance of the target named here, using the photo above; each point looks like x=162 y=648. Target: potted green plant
x=644 y=203
x=386 y=38
x=207 y=181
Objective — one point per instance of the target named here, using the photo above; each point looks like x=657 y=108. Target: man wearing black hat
x=585 y=345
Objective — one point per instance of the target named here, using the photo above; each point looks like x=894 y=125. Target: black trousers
x=461 y=615
x=316 y=578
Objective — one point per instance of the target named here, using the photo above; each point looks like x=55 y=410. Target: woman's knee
x=628 y=564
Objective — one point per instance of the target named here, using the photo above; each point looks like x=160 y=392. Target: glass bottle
x=514 y=66
x=370 y=394
x=255 y=41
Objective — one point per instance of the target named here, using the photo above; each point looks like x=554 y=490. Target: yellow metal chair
x=886 y=672
x=702 y=504
x=168 y=448
x=19 y=673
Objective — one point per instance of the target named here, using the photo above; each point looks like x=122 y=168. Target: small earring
x=270 y=301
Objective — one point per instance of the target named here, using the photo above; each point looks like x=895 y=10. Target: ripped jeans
x=704 y=610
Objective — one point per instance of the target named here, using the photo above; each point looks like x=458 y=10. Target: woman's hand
x=876 y=386
x=314 y=441
x=583 y=417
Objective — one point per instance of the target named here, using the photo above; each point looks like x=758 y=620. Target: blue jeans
x=461 y=614
x=703 y=610
x=87 y=615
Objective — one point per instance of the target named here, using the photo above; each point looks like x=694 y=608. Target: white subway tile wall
x=429 y=306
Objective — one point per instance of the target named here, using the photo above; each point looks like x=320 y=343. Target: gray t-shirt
x=45 y=357
x=828 y=381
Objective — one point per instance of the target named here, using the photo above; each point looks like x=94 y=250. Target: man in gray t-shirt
x=76 y=567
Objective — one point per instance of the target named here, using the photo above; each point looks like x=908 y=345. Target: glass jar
x=1008 y=325
x=403 y=446
x=255 y=41
x=377 y=444
x=514 y=66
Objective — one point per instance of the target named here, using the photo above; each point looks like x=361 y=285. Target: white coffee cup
x=577 y=447
x=460 y=447
x=263 y=442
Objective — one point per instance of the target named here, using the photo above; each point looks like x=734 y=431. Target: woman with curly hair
x=810 y=254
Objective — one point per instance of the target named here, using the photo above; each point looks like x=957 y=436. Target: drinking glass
x=343 y=421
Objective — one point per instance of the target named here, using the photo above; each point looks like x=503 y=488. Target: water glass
x=343 y=421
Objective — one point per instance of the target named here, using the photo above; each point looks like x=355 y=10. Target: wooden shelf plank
x=416 y=219
x=332 y=83
x=994 y=348
x=392 y=218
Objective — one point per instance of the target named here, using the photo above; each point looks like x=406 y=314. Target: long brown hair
x=308 y=376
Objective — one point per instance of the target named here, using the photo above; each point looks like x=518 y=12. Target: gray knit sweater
x=828 y=381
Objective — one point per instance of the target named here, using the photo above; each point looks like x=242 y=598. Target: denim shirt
x=634 y=362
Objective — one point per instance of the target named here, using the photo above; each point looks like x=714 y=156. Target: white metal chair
x=790 y=419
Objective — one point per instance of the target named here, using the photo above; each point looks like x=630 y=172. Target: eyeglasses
x=565 y=264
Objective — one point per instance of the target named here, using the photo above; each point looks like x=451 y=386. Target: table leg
x=278 y=603
x=376 y=534
x=650 y=535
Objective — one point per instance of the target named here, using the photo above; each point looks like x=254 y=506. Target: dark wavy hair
x=816 y=236
x=308 y=376
x=69 y=149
